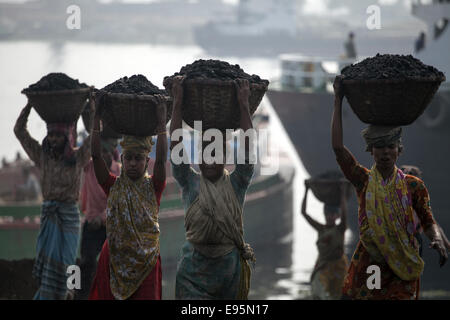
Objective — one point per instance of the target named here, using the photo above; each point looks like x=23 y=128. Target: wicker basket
x=214 y=102
x=107 y=131
x=328 y=191
x=131 y=114
x=62 y=106
x=390 y=102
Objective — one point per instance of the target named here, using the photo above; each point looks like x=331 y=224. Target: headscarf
x=381 y=135
x=67 y=129
x=137 y=144
x=412 y=170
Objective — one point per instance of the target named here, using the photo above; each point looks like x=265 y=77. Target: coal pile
x=390 y=66
x=216 y=69
x=137 y=84
x=55 y=82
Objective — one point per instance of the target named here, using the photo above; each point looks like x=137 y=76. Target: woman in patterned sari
x=331 y=266
x=387 y=198
x=215 y=259
x=61 y=166
x=129 y=266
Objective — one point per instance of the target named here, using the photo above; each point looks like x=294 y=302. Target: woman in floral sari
x=387 y=198
x=129 y=266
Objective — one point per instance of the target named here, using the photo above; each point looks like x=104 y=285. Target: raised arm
x=316 y=225
x=243 y=94
x=31 y=146
x=176 y=120
x=159 y=169
x=100 y=167
x=84 y=152
x=245 y=122
x=352 y=170
x=337 y=140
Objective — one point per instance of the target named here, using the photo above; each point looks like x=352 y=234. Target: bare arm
x=444 y=237
x=243 y=94
x=30 y=145
x=316 y=225
x=436 y=242
x=100 y=167
x=245 y=122
x=337 y=140
x=176 y=120
x=337 y=137
x=159 y=168
x=84 y=153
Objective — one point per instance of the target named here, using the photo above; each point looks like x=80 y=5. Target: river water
x=25 y=62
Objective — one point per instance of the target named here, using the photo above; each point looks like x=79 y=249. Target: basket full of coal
x=128 y=106
x=327 y=187
x=390 y=89
x=58 y=98
x=210 y=93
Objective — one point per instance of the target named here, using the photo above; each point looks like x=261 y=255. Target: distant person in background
x=5 y=163
x=327 y=278
x=61 y=166
x=30 y=190
x=349 y=46
x=415 y=171
x=420 y=42
x=93 y=205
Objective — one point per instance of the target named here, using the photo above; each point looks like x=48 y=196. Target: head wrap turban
x=137 y=144
x=412 y=170
x=381 y=135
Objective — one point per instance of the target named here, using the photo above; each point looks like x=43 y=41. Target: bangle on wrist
x=162 y=132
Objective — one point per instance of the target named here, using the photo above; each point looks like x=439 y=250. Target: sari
x=130 y=257
x=215 y=259
x=327 y=278
x=386 y=226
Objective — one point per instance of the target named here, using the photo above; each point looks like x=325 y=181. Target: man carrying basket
x=61 y=166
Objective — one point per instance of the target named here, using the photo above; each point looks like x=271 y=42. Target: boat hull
x=268 y=227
